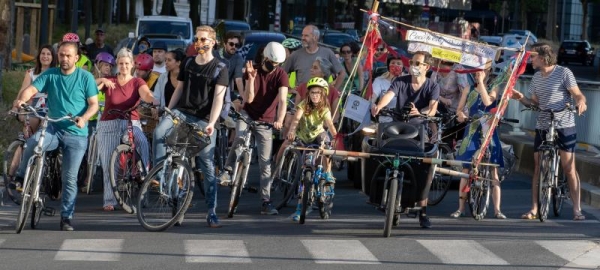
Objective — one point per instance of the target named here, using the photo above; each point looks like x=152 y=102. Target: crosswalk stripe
x=339 y=252
x=462 y=252
x=580 y=254
x=90 y=250
x=216 y=251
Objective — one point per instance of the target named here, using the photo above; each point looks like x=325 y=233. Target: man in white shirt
x=159 y=51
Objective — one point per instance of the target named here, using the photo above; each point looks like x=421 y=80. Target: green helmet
x=291 y=43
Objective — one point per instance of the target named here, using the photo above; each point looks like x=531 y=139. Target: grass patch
x=11 y=84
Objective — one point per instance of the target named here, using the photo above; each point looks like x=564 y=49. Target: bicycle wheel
x=12 y=159
x=125 y=176
x=165 y=195
x=52 y=175
x=325 y=199
x=30 y=184
x=561 y=193
x=390 y=208
x=307 y=193
x=36 y=213
x=238 y=184
x=545 y=184
x=441 y=183
x=92 y=162
x=285 y=185
x=479 y=195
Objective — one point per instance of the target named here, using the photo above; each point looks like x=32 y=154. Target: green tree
x=584 y=7
x=194 y=14
x=168 y=8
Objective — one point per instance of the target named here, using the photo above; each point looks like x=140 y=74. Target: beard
x=65 y=65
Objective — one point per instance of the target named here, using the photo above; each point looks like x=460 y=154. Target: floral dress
x=475 y=131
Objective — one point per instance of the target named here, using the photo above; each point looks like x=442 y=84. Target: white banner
x=449 y=42
x=462 y=58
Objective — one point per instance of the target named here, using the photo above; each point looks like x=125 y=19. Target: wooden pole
x=33 y=31
x=51 y=25
x=19 y=33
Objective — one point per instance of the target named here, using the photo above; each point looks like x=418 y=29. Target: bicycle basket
x=187 y=137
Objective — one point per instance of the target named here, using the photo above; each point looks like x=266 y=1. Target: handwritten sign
x=446 y=54
x=449 y=42
x=462 y=58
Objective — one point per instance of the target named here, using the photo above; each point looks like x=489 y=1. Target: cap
x=99 y=30
x=161 y=45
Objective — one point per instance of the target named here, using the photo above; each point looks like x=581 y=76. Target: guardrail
x=588 y=126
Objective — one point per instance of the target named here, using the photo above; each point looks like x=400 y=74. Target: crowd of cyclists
x=200 y=84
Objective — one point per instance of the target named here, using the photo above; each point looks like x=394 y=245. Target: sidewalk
x=587 y=162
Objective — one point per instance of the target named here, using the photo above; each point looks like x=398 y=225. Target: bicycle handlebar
x=536 y=108
x=234 y=114
x=35 y=113
x=405 y=116
x=127 y=113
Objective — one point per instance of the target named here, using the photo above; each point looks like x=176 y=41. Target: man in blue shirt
x=70 y=90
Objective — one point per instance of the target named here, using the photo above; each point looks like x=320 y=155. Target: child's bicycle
x=313 y=186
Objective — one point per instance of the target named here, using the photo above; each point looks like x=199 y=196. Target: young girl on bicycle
x=312 y=114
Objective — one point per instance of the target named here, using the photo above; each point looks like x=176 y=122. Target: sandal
x=579 y=217
x=457 y=214
x=529 y=215
x=500 y=215
x=109 y=208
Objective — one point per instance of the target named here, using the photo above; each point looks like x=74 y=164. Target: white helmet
x=275 y=52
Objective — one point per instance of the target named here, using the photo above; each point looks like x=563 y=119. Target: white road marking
x=216 y=251
x=90 y=250
x=467 y=252
x=339 y=252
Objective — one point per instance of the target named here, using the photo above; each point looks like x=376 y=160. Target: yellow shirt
x=310 y=126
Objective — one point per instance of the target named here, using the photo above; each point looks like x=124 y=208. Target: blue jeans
x=73 y=149
x=205 y=159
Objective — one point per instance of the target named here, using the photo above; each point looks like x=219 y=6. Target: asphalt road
x=351 y=239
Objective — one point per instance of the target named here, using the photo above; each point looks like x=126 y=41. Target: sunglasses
x=380 y=49
x=316 y=93
x=416 y=63
x=237 y=45
x=346 y=52
x=274 y=63
x=202 y=39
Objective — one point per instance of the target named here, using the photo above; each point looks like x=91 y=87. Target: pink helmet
x=105 y=57
x=144 y=61
x=71 y=37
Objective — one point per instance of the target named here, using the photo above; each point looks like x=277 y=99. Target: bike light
x=370 y=129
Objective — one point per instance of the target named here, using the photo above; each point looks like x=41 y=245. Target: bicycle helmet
x=318 y=81
x=291 y=43
x=71 y=37
x=275 y=52
x=105 y=57
x=144 y=61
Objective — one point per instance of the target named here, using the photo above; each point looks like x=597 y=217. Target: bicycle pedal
x=49 y=211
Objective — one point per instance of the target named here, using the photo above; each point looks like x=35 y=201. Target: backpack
x=227 y=99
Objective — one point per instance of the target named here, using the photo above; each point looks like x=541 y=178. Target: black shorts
x=566 y=141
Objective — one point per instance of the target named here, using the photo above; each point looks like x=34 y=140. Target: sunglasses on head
x=202 y=39
x=416 y=63
x=232 y=44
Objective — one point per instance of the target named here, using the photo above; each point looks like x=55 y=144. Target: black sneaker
x=65 y=225
x=268 y=209
x=424 y=222
x=16 y=183
x=213 y=221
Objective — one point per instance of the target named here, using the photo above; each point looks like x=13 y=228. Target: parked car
x=167 y=25
x=173 y=42
x=336 y=38
x=224 y=26
x=576 y=51
x=254 y=39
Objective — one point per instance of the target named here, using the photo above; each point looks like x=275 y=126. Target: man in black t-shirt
x=421 y=93
x=198 y=98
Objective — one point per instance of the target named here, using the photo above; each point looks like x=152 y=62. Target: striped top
x=553 y=93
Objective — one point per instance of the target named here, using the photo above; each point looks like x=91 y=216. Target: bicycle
x=126 y=166
x=30 y=198
x=167 y=191
x=243 y=152
x=552 y=185
x=314 y=186
x=285 y=179
x=91 y=158
x=13 y=157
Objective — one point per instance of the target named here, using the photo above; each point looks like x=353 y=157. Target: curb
x=586 y=165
